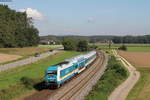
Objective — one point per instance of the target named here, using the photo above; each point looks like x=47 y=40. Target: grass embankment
x=141 y=91
x=113 y=76
x=15 y=82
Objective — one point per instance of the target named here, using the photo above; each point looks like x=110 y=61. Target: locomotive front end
x=51 y=76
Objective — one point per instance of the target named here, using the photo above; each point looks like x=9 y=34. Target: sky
x=87 y=17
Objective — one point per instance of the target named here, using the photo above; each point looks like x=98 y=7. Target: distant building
x=52 y=42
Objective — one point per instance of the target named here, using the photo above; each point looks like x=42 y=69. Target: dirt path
x=121 y=92
x=25 y=61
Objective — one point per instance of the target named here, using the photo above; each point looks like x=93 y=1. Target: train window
x=61 y=63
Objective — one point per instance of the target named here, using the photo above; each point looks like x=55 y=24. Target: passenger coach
x=58 y=74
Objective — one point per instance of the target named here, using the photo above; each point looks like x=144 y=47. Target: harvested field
x=7 y=57
x=137 y=59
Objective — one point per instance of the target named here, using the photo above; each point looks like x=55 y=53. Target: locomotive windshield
x=52 y=72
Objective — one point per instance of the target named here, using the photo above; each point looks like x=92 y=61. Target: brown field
x=7 y=57
x=138 y=59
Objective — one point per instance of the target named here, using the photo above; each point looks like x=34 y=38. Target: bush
x=123 y=47
x=69 y=44
x=82 y=45
x=27 y=82
x=107 y=51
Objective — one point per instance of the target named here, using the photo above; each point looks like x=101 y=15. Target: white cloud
x=33 y=13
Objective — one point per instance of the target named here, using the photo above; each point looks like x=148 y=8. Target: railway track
x=75 y=86
x=80 y=86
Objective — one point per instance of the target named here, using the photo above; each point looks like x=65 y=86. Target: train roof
x=81 y=57
x=75 y=59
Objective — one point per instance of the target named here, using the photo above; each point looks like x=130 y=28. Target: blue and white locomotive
x=58 y=74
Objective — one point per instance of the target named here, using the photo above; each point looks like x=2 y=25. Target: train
x=58 y=74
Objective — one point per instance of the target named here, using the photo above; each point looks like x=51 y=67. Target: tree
x=82 y=45
x=69 y=44
x=123 y=47
x=16 y=29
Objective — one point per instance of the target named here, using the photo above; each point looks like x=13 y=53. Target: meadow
x=10 y=79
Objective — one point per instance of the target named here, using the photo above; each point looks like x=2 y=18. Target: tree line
x=16 y=29
x=71 y=44
x=132 y=39
x=95 y=39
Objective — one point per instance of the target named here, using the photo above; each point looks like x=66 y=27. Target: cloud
x=33 y=13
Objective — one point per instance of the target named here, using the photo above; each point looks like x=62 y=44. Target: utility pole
x=109 y=44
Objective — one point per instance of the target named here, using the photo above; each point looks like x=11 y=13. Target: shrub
x=27 y=82
x=123 y=47
x=82 y=45
x=69 y=44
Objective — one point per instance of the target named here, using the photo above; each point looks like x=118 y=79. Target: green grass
x=139 y=49
x=141 y=90
x=130 y=47
x=10 y=84
x=107 y=47
x=113 y=76
x=118 y=45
